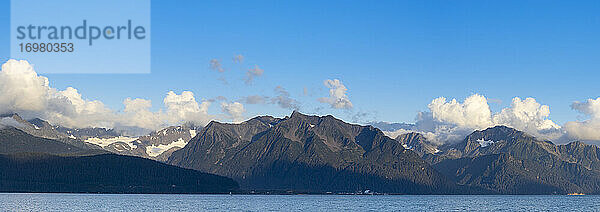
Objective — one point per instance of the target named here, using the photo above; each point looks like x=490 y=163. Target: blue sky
x=393 y=56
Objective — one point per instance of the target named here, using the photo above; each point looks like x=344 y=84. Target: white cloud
x=184 y=107
x=137 y=113
x=527 y=115
x=136 y=105
x=252 y=73
x=583 y=130
x=589 y=129
x=473 y=113
x=23 y=91
x=17 y=81
x=337 y=95
x=590 y=107
x=180 y=109
x=234 y=110
x=80 y=112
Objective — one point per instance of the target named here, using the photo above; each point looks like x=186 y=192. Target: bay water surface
x=176 y=202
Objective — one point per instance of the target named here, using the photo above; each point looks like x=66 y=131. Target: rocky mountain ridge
x=309 y=153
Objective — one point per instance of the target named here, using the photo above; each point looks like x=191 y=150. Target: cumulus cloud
x=184 y=106
x=252 y=73
x=474 y=112
x=180 y=109
x=137 y=113
x=19 y=80
x=588 y=130
x=590 y=107
x=338 y=98
x=215 y=64
x=583 y=130
x=527 y=115
x=235 y=110
x=450 y=121
x=23 y=91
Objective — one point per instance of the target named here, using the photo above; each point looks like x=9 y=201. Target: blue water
x=170 y=202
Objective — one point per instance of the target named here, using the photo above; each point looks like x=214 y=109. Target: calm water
x=159 y=202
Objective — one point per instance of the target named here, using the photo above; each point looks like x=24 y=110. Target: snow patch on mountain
x=103 y=142
x=485 y=143
x=154 y=151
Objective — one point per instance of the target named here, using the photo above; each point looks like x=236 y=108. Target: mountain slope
x=417 y=143
x=578 y=152
x=309 y=153
x=40 y=128
x=34 y=164
x=509 y=161
x=13 y=140
x=157 y=145
x=160 y=144
x=85 y=133
x=106 y=173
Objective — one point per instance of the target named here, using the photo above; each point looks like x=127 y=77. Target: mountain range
x=157 y=145
x=299 y=154
x=32 y=162
x=508 y=161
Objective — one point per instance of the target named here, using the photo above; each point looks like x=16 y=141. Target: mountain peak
x=296 y=114
x=417 y=143
x=307 y=152
x=39 y=122
x=500 y=132
x=501 y=128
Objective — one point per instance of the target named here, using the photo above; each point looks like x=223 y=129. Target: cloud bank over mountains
x=23 y=91
x=452 y=120
x=234 y=110
x=588 y=129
